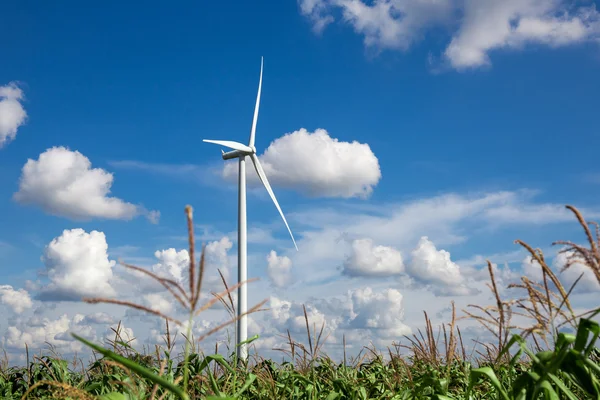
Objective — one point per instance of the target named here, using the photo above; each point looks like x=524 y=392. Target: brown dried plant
x=495 y=319
x=303 y=356
x=189 y=299
x=579 y=254
x=425 y=347
x=543 y=302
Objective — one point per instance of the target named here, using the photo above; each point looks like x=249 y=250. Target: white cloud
x=503 y=274
x=159 y=303
x=175 y=264
x=125 y=334
x=153 y=216
x=286 y=315
x=100 y=318
x=587 y=283
x=63 y=183
x=489 y=25
x=12 y=113
x=481 y=25
x=316 y=164
x=36 y=332
x=380 y=312
x=316 y=10
x=172 y=264
x=18 y=300
x=369 y=260
x=77 y=266
x=447 y=220
x=279 y=269
x=217 y=258
x=531 y=269
x=434 y=267
x=392 y=24
x=377 y=315
x=516 y=213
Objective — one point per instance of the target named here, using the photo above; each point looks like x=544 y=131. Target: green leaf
x=562 y=387
x=247 y=384
x=546 y=388
x=488 y=373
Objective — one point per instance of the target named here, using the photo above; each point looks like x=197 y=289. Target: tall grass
x=523 y=362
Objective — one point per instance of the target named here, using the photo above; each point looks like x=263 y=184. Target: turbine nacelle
x=232 y=154
x=239 y=150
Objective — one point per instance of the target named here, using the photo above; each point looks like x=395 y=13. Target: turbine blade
x=263 y=178
x=253 y=131
x=230 y=144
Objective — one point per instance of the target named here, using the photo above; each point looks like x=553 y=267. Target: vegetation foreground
x=541 y=361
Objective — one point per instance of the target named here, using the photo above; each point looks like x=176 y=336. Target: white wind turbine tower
x=240 y=151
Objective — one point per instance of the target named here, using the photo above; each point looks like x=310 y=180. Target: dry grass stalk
x=579 y=254
x=308 y=355
x=546 y=301
x=188 y=300
x=424 y=347
x=451 y=344
x=543 y=303
x=538 y=256
x=62 y=389
x=543 y=308
x=161 y=371
x=120 y=345
x=496 y=319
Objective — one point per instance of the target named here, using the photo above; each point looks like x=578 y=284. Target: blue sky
x=472 y=129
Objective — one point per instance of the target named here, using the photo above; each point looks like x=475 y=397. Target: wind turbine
x=240 y=151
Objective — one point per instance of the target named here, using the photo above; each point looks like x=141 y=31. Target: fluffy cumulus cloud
x=279 y=269
x=62 y=182
x=18 y=300
x=39 y=331
x=12 y=113
x=434 y=267
x=366 y=313
x=158 y=302
x=380 y=312
x=287 y=315
x=484 y=25
x=77 y=266
x=217 y=258
x=366 y=259
x=174 y=264
x=316 y=164
x=120 y=332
